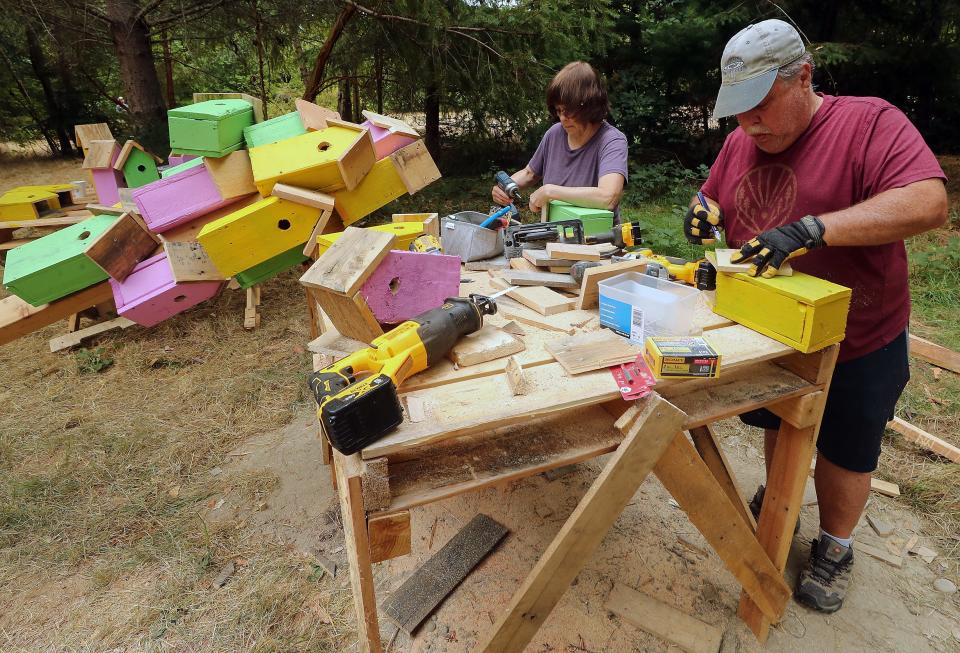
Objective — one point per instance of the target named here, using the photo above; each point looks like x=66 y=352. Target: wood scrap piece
x=721 y=260
x=420 y=594
x=542 y=300
x=497 y=263
x=328 y=222
x=251 y=314
x=540 y=258
x=514 y=328
x=389 y=535
x=18 y=318
x=121 y=246
x=190 y=262
x=487 y=344
x=935 y=354
x=926 y=440
x=879 y=554
x=348 y=262
x=76 y=337
x=594 y=350
x=314 y=117
x=664 y=621
x=304 y=196
x=536 y=277
x=885 y=488
x=589 y=288
x=415 y=408
x=515 y=377
x=540 y=324
x=523 y=264
x=574 y=252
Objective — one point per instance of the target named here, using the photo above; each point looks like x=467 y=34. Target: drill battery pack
x=355 y=420
x=681 y=357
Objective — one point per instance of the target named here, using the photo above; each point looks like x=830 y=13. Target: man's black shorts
x=863 y=394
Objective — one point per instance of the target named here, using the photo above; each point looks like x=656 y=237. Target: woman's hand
x=499 y=196
x=541 y=197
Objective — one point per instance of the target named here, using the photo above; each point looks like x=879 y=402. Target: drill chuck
x=508 y=186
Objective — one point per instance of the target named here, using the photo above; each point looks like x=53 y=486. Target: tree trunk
x=258 y=35
x=72 y=111
x=38 y=60
x=138 y=72
x=28 y=103
x=431 y=109
x=301 y=57
x=378 y=71
x=344 y=99
x=316 y=77
x=168 y=69
x=356 y=100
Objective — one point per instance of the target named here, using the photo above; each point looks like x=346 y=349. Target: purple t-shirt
x=604 y=153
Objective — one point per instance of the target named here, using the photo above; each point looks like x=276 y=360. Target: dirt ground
x=887 y=609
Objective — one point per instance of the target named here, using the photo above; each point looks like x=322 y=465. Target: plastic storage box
x=636 y=305
x=595 y=221
x=462 y=235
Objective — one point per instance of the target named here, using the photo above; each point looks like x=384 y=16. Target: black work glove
x=698 y=221
x=774 y=246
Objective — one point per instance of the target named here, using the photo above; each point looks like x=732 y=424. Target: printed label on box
x=636 y=325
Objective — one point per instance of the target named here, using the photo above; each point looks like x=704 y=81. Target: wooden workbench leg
x=786 y=479
x=348 y=470
x=705 y=440
x=314 y=315
x=648 y=427
x=702 y=497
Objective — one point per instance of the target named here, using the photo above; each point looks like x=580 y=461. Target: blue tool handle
x=493 y=218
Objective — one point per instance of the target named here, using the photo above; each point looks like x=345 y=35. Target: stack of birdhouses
x=241 y=198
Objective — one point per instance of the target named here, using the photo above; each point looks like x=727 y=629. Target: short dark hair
x=579 y=89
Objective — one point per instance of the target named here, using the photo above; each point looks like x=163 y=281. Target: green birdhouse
x=138 y=166
x=55 y=266
x=276 y=129
x=213 y=128
x=271 y=267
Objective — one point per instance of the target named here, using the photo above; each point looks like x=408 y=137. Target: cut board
x=586 y=352
x=935 y=354
x=542 y=300
x=349 y=261
x=721 y=260
x=664 y=621
x=189 y=262
x=574 y=252
x=589 y=288
x=417 y=597
x=540 y=258
x=538 y=278
x=487 y=344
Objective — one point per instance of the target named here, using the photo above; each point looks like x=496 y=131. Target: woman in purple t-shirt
x=582 y=159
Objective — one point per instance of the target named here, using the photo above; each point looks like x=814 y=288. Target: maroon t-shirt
x=854 y=148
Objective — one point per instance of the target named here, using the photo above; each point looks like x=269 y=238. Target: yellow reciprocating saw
x=357 y=396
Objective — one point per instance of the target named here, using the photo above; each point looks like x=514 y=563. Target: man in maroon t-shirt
x=838 y=182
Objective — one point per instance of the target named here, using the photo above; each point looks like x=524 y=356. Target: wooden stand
x=251 y=314
x=380 y=485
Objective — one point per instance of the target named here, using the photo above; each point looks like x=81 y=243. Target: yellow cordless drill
x=357 y=396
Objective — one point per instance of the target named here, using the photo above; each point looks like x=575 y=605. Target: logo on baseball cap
x=750 y=63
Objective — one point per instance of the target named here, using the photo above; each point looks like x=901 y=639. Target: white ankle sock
x=839 y=540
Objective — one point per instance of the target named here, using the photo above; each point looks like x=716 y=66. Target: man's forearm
x=889 y=216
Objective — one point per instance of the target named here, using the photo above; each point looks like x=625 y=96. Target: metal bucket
x=462 y=235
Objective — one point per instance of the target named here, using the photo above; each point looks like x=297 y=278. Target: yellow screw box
x=681 y=357
x=802 y=311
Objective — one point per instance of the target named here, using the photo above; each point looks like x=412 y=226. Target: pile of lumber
x=240 y=199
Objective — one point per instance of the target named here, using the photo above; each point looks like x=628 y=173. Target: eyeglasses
x=562 y=111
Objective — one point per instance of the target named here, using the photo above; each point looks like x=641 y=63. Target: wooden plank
x=76 y=337
x=926 y=440
x=516 y=378
x=694 y=487
x=314 y=117
x=489 y=343
x=721 y=260
x=100 y=154
x=934 y=353
x=650 y=426
x=86 y=134
x=879 y=554
x=353 y=516
x=540 y=258
x=590 y=291
x=18 y=318
x=389 y=536
x=885 y=488
x=348 y=262
x=586 y=352
x=713 y=457
x=119 y=248
x=540 y=324
x=189 y=262
x=11 y=244
x=415 y=166
x=103 y=209
x=542 y=300
x=422 y=592
x=329 y=222
x=537 y=278
x=663 y=621
x=574 y=252
x=62 y=221
x=523 y=264
x=799 y=411
x=305 y=196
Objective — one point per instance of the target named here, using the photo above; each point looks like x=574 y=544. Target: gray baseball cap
x=750 y=62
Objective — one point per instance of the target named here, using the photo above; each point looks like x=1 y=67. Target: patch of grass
x=92 y=361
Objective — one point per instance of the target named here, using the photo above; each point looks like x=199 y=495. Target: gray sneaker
x=823 y=582
x=757 y=502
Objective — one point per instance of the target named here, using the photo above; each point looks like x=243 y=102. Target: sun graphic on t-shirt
x=765 y=197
